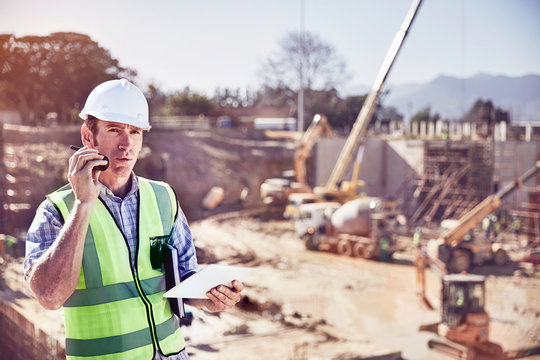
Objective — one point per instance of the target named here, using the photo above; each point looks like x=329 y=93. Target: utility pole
x=300 y=121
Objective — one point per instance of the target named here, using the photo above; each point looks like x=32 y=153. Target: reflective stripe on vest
x=116 y=308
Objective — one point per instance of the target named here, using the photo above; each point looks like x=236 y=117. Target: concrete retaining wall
x=21 y=339
x=385 y=167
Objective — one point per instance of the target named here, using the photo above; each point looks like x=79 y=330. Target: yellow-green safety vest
x=117 y=310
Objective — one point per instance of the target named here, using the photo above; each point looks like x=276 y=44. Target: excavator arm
x=318 y=126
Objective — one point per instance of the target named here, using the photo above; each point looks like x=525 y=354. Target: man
x=88 y=248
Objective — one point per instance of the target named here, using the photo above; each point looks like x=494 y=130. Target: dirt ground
x=309 y=305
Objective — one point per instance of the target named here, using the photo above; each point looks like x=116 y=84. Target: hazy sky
x=208 y=43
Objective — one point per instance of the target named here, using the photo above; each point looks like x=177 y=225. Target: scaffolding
x=529 y=212
x=457 y=176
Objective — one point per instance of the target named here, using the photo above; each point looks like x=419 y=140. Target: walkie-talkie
x=99 y=167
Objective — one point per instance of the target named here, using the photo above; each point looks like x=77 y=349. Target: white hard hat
x=118 y=101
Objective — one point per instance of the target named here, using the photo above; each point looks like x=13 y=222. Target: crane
x=456 y=253
x=348 y=191
x=360 y=126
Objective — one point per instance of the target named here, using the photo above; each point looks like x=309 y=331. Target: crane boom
x=360 y=126
x=455 y=235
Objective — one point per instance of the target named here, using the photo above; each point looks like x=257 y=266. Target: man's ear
x=87 y=137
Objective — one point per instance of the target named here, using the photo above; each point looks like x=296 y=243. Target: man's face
x=121 y=143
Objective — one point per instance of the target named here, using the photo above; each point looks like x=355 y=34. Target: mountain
x=451 y=97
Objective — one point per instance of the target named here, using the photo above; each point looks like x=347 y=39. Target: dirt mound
x=191 y=161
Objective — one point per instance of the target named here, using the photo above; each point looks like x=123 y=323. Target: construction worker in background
x=503 y=218
x=88 y=248
x=384 y=245
x=486 y=226
x=417 y=236
x=515 y=226
x=420 y=259
x=496 y=227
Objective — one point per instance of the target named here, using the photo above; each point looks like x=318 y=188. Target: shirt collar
x=106 y=192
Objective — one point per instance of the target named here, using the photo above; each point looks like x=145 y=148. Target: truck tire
x=460 y=261
x=370 y=252
x=344 y=248
x=358 y=250
x=311 y=242
x=500 y=258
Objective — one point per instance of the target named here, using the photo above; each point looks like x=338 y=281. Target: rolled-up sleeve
x=182 y=240
x=41 y=235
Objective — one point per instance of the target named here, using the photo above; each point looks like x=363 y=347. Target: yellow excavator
x=457 y=251
x=318 y=126
x=276 y=190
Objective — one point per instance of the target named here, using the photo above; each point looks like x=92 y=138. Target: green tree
x=157 y=100
x=53 y=73
x=348 y=111
x=269 y=96
x=425 y=116
x=325 y=102
x=189 y=103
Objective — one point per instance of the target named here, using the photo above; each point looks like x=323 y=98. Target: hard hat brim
x=113 y=117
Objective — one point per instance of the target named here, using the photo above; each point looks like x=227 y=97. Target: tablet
x=198 y=284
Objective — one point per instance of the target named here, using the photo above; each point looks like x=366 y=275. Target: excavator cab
x=465 y=323
x=464 y=319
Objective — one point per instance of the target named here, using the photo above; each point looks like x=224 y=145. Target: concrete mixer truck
x=360 y=228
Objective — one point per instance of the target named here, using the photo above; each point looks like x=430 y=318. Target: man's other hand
x=223 y=297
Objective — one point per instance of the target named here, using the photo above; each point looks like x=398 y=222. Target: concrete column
x=431 y=129
x=414 y=128
x=528 y=131
x=466 y=129
x=423 y=128
x=503 y=129
x=438 y=128
x=459 y=130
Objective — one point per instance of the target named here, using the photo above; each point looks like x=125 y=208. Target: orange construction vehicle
x=464 y=324
x=464 y=327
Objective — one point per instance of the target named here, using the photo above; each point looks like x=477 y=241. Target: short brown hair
x=91 y=123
